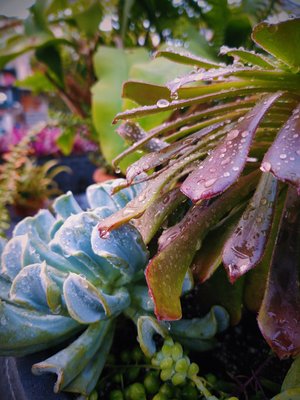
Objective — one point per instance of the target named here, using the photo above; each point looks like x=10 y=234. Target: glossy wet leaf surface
x=283 y=157
x=246 y=246
x=166 y=271
x=226 y=162
x=279 y=315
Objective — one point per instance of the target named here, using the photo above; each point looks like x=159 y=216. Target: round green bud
x=151 y=383
x=167 y=390
x=177 y=351
x=166 y=363
x=193 y=370
x=116 y=395
x=118 y=377
x=169 y=341
x=181 y=365
x=233 y=398
x=137 y=391
x=178 y=378
x=166 y=374
x=167 y=350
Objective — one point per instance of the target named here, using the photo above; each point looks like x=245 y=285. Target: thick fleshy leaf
x=11 y=258
x=154 y=159
x=123 y=249
x=23 y=332
x=150 y=222
x=282 y=40
x=279 y=314
x=74 y=239
x=291 y=379
x=209 y=257
x=247 y=56
x=148 y=327
x=256 y=279
x=86 y=381
x=66 y=205
x=165 y=272
x=38 y=226
x=34 y=288
x=246 y=246
x=200 y=328
x=87 y=304
x=283 y=157
x=4 y=289
x=184 y=57
x=226 y=162
x=69 y=362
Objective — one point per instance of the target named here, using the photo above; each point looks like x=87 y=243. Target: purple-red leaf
x=283 y=157
x=226 y=162
x=166 y=271
x=246 y=246
x=153 y=160
x=279 y=315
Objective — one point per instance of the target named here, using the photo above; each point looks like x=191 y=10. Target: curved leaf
x=246 y=246
x=24 y=332
x=282 y=40
x=291 y=380
x=226 y=162
x=147 y=327
x=279 y=314
x=184 y=57
x=166 y=271
x=69 y=362
x=283 y=157
x=66 y=205
x=249 y=57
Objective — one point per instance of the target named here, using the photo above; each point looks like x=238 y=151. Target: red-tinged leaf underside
x=279 y=315
x=246 y=246
x=283 y=157
x=226 y=162
x=166 y=271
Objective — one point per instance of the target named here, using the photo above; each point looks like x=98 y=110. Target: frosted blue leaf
x=66 y=205
x=147 y=328
x=87 y=304
x=39 y=226
x=12 y=256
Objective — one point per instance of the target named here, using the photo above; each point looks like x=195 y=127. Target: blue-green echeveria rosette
x=59 y=279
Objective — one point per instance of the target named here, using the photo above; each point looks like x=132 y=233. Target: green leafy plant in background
x=59 y=280
x=233 y=156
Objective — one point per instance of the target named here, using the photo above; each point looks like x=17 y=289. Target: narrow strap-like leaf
x=279 y=314
x=226 y=162
x=283 y=157
x=184 y=57
x=246 y=246
x=166 y=271
x=250 y=57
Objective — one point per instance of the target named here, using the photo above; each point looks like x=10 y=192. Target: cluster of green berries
x=174 y=364
x=169 y=375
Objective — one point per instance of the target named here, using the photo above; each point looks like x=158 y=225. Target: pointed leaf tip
x=226 y=162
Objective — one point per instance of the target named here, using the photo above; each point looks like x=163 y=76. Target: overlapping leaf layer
x=215 y=192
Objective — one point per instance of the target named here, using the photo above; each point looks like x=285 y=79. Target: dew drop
x=282 y=156
x=233 y=134
x=226 y=174
x=210 y=182
x=245 y=134
x=162 y=103
x=298 y=152
x=266 y=166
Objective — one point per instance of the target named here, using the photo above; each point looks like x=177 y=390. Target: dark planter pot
x=18 y=383
x=81 y=176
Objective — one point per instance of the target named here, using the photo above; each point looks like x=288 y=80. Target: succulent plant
x=233 y=158
x=60 y=281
